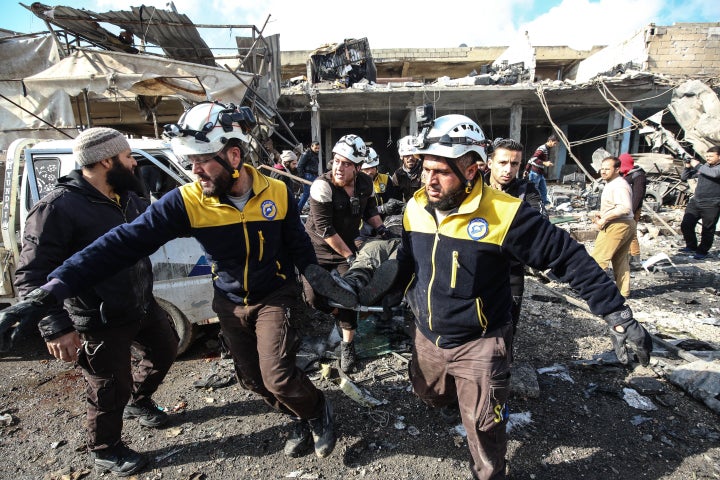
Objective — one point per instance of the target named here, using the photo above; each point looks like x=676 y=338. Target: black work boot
x=348 y=358
x=323 y=283
x=382 y=280
x=147 y=413
x=119 y=460
x=298 y=442
x=323 y=431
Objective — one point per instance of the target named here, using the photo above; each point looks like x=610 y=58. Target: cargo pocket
x=102 y=385
x=495 y=409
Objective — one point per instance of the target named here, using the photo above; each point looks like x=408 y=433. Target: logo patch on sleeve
x=269 y=209
x=477 y=228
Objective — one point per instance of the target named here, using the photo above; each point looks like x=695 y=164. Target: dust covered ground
x=580 y=427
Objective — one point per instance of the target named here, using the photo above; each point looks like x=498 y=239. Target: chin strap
x=469 y=184
x=234 y=173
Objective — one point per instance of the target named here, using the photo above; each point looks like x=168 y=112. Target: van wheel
x=183 y=327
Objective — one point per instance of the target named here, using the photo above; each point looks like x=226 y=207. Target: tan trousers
x=612 y=245
x=635 y=244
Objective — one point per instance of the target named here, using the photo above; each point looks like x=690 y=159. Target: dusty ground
x=578 y=430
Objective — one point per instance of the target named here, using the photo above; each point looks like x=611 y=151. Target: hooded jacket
x=65 y=221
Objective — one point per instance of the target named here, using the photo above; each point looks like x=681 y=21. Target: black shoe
x=348 y=358
x=298 y=442
x=451 y=413
x=322 y=282
x=382 y=280
x=686 y=250
x=120 y=460
x=323 y=431
x=147 y=413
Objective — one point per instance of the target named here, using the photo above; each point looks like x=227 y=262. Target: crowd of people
x=450 y=232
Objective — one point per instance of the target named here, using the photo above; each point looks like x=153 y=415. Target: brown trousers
x=477 y=375
x=263 y=344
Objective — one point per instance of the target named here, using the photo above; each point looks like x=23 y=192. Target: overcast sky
x=304 y=25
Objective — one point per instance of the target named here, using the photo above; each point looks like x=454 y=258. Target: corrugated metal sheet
x=174 y=33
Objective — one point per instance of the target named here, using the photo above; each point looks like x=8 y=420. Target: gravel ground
x=579 y=425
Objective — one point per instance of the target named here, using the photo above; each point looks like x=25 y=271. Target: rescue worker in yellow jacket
x=460 y=237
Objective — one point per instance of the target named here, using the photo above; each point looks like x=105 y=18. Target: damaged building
x=597 y=98
x=79 y=73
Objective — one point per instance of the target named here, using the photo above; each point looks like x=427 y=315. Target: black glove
x=623 y=327
x=26 y=313
x=391 y=207
x=385 y=233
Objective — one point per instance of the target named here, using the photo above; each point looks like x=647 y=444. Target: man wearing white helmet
x=250 y=229
x=460 y=237
x=339 y=200
x=406 y=179
x=383 y=187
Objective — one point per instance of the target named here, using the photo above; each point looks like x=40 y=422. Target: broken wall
x=685 y=49
x=630 y=51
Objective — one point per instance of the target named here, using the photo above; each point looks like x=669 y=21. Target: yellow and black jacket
x=252 y=253
x=458 y=271
x=382 y=188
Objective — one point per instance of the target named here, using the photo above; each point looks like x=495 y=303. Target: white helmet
x=206 y=128
x=351 y=147
x=452 y=136
x=406 y=146
x=373 y=159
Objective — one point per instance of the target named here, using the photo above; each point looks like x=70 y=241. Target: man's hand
x=385 y=233
x=624 y=328
x=65 y=348
x=392 y=207
x=25 y=313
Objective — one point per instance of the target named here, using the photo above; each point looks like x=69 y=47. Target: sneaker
x=348 y=357
x=700 y=256
x=298 y=442
x=686 y=250
x=382 y=280
x=120 y=460
x=323 y=431
x=147 y=412
x=323 y=283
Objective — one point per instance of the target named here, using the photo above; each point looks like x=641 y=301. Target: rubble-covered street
x=572 y=415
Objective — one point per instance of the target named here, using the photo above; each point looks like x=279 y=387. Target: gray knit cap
x=95 y=144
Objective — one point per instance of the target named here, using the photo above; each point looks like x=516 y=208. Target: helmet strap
x=469 y=183
x=234 y=173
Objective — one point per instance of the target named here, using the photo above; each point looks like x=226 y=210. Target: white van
x=183 y=286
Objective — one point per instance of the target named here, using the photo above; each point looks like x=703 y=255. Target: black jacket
x=308 y=164
x=638 y=183
x=407 y=183
x=65 y=221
